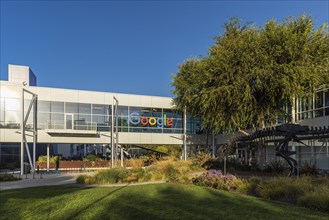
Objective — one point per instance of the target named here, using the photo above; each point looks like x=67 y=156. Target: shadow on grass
x=161 y=201
x=76 y=212
x=169 y=201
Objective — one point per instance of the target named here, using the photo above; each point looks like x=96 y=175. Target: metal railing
x=51 y=125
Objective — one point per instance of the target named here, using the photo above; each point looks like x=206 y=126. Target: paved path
x=59 y=179
x=47 y=180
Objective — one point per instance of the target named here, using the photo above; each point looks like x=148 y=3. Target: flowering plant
x=216 y=179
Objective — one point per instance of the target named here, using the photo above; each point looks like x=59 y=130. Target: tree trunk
x=207 y=138
x=261 y=143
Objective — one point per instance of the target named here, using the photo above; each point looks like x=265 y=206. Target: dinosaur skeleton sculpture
x=282 y=135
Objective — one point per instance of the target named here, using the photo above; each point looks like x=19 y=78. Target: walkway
x=47 y=180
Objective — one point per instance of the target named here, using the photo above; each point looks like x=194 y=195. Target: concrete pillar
x=85 y=150
x=48 y=158
x=121 y=156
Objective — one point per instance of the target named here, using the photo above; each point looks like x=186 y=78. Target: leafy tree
x=251 y=73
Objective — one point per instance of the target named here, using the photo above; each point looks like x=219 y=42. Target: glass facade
x=313 y=107
x=9 y=152
x=87 y=116
x=9 y=113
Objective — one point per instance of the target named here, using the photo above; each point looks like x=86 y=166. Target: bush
x=171 y=173
x=317 y=199
x=91 y=157
x=134 y=163
x=276 y=167
x=200 y=158
x=139 y=175
x=250 y=186
x=212 y=164
x=284 y=188
x=105 y=177
x=52 y=159
x=215 y=179
x=8 y=177
x=308 y=169
x=112 y=175
x=82 y=179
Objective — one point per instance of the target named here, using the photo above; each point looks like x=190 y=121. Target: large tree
x=252 y=73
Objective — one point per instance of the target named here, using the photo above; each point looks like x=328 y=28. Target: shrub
x=212 y=164
x=105 y=177
x=91 y=157
x=250 y=186
x=8 y=177
x=171 y=173
x=201 y=158
x=134 y=163
x=284 y=188
x=52 y=159
x=308 y=169
x=82 y=179
x=215 y=179
x=276 y=167
x=143 y=175
x=317 y=199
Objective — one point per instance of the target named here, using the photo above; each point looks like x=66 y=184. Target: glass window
x=43 y=106
x=84 y=108
x=122 y=110
x=12 y=116
x=43 y=119
x=123 y=121
x=100 y=119
x=100 y=109
x=57 y=118
x=82 y=122
x=319 y=99
x=57 y=107
x=172 y=113
x=2 y=112
x=12 y=104
x=147 y=112
x=326 y=94
x=71 y=107
x=157 y=112
x=318 y=113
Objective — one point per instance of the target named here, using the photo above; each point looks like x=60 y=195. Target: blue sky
x=124 y=46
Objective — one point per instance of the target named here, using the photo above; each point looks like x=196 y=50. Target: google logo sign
x=136 y=119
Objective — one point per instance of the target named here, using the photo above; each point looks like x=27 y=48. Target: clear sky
x=124 y=46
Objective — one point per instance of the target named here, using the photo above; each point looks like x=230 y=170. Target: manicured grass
x=162 y=201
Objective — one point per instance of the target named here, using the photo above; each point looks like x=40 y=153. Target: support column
x=293 y=110
x=112 y=136
x=296 y=156
x=22 y=133
x=184 y=135
x=48 y=158
x=85 y=150
x=35 y=133
x=121 y=156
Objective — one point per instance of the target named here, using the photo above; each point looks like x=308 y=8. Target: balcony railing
x=60 y=127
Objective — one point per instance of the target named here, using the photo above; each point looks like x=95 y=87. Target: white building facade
x=66 y=117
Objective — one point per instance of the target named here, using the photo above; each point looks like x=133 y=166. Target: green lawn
x=162 y=201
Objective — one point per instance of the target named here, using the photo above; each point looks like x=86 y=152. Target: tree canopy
x=251 y=73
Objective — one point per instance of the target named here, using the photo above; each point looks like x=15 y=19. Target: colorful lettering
x=136 y=119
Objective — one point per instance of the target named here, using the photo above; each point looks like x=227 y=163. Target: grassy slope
x=164 y=201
